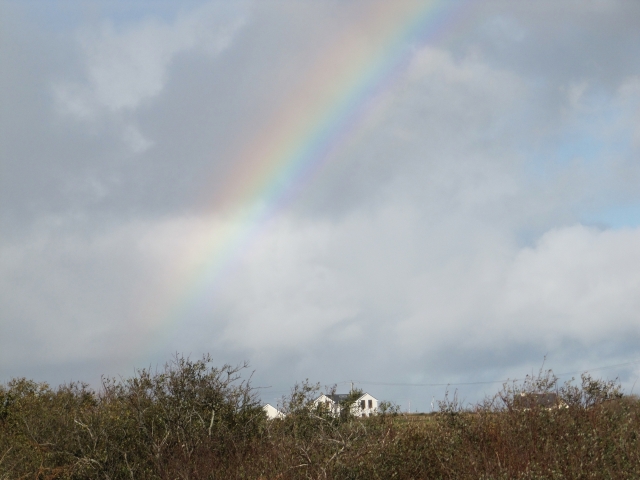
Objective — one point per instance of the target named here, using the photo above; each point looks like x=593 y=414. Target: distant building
x=547 y=400
x=363 y=406
x=272 y=412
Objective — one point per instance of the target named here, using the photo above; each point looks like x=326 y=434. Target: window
x=362 y=404
x=370 y=403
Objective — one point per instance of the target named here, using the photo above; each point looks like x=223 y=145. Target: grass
x=195 y=421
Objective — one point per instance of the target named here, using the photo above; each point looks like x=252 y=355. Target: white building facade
x=272 y=412
x=363 y=406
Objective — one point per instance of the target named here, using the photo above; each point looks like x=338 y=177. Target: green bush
x=194 y=421
x=141 y=427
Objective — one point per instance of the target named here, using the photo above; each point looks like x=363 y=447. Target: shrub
x=141 y=427
x=191 y=420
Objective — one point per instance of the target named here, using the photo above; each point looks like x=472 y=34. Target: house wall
x=326 y=401
x=370 y=406
x=272 y=412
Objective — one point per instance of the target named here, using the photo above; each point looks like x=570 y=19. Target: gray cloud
x=448 y=242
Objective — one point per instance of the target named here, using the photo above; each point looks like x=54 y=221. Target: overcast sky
x=479 y=211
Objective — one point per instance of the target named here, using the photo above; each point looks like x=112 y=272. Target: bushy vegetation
x=194 y=421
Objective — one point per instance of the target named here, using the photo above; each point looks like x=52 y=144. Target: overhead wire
x=456 y=384
x=489 y=382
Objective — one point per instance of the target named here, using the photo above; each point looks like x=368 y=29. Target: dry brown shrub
x=194 y=421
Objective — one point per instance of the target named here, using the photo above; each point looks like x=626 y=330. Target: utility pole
x=351 y=387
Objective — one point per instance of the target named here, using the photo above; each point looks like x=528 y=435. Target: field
x=195 y=421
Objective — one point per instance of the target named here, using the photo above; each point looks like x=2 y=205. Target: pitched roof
x=338 y=397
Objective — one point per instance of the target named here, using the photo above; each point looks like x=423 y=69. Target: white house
x=272 y=412
x=364 y=405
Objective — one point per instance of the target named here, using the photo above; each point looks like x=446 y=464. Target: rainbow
x=337 y=99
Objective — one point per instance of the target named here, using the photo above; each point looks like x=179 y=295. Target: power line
x=635 y=362
x=456 y=384
x=388 y=384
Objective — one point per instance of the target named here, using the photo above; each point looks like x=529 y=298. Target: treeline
x=195 y=421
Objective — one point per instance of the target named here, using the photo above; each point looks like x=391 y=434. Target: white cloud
x=128 y=66
x=576 y=92
x=450 y=225
x=372 y=276
x=578 y=282
x=136 y=141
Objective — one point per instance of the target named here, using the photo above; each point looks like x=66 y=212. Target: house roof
x=340 y=397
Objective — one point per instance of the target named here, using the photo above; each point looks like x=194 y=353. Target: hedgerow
x=191 y=420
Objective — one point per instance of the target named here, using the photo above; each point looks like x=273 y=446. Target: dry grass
x=193 y=421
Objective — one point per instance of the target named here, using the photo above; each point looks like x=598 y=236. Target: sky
x=403 y=195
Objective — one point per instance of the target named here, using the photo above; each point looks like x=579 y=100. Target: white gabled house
x=272 y=412
x=364 y=405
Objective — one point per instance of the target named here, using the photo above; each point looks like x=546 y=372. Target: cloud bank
x=486 y=216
